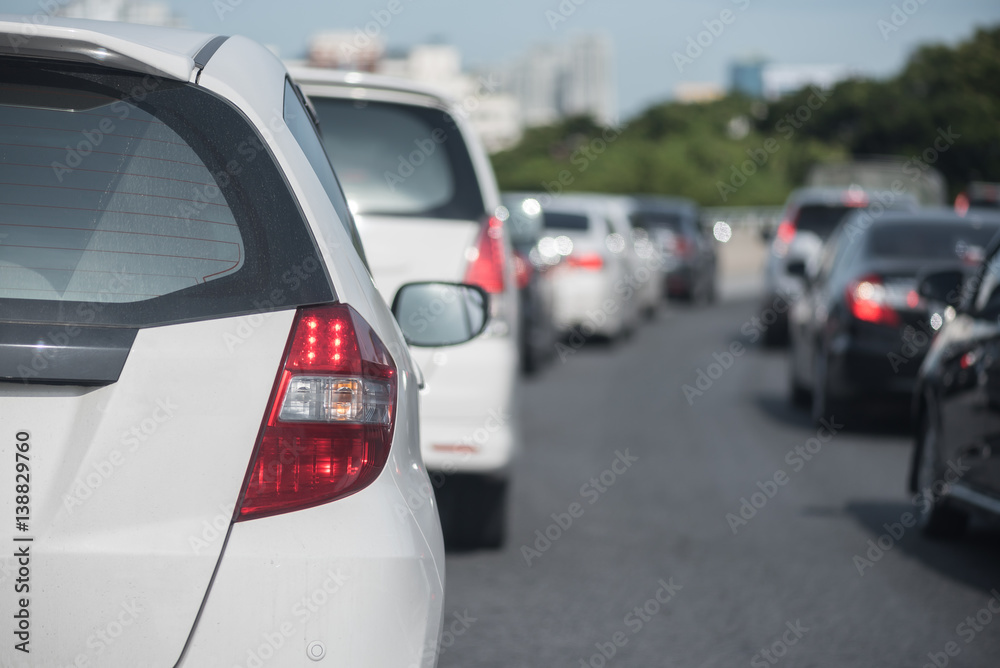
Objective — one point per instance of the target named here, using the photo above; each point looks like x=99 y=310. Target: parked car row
x=900 y=305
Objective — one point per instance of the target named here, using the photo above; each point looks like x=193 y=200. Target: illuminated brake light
x=786 y=232
x=590 y=261
x=867 y=300
x=488 y=259
x=329 y=425
x=522 y=270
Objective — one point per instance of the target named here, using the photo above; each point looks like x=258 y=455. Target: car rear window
x=820 y=219
x=137 y=200
x=654 y=220
x=566 y=221
x=931 y=241
x=399 y=159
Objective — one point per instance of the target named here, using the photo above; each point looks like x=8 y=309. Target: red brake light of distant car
x=866 y=298
x=683 y=247
x=522 y=270
x=487 y=259
x=329 y=424
x=592 y=261
x=786 y=232
x=855 y=198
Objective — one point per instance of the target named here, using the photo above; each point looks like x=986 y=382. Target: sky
x=873 y=36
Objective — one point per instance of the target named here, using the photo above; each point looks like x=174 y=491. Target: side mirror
x=440 y=314
x=796 y=267
x=766 y=233
x=944 y=286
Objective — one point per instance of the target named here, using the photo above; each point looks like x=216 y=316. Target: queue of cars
x=891 y=303
x=265 y=327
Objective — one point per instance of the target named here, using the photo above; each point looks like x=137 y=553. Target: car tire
x=473 y=510
x=938 y=516
x=798 y=394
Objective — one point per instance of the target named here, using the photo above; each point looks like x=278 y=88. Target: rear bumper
x=336 y=580
x=585 y=300
x=467 y=417
x=873 y=368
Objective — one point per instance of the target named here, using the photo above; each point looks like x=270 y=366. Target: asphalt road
x=796 y=584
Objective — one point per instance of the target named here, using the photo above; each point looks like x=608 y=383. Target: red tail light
x=487 y=259
x=867 y=299
x=522 y=270
x=683 y=247
x=592 y=261
x=786 y=231
x=329 y=424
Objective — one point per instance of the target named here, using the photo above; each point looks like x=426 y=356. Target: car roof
x=834 y=195
x=380 y=82
x=168 y=52
x=664 y=203
x=930 y=216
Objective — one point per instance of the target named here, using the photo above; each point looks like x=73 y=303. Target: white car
x=208 y=415
x=427 y=207
x=608 y=276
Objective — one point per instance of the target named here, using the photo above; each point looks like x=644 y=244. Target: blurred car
x=861 y=329
x=674 y=225
x=592 y=294
x=640 y=285
x=208 y=409
x=979 y=195
x=955 y=467
x=536 y=294
x=810 y=216
x=425 y=200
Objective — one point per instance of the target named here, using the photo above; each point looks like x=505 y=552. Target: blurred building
x=345 y=51
x=492 y=113
x=757 y=78
x=552 y=81
x=146 y=12
x=694 y=92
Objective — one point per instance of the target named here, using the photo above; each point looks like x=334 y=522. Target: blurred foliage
x=707 y=151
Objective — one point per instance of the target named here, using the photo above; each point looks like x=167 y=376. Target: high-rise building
x=556 y=81
x=147 y=12
x=757 y=78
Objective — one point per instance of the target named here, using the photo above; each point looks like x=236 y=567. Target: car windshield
x=930 y=241
x=120 y=207
x=566 y=221
x=820 y=219
x=399 y=159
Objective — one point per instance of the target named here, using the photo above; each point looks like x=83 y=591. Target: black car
x=674 y=224
x=538 y=333
x=861 y=329
x=956 y=459
x=810 y=216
